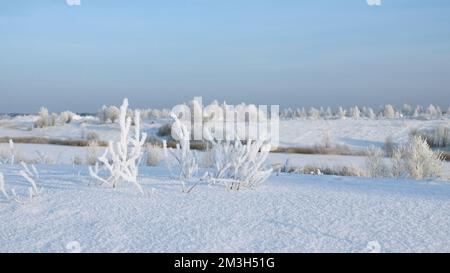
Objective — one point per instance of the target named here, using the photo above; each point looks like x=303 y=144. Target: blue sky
x=160 y=53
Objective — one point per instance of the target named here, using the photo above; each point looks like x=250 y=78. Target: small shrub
x=66 y=117
x=375 y=165
x=435 y=137
x=92 y=152
x=416 y=160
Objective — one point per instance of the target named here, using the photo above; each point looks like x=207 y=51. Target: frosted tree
x=407 y=110
x=370 y=114
x=66 y=117
x=113 y=113
x=313 y=113
x=438 y=112
x=341 y=113
x=431 y=111
x=389 y=111
x=45 y=119
x=355 y=113
x=121 y=159
x=102 y=114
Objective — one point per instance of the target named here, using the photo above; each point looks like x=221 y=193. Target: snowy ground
x=291 y=213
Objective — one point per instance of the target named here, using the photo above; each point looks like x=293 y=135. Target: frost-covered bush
x=416 y=160
x=121 y=159
x=341 y=113
x=92 y=152
x=239 y=165
x=355 y=112
x=108 y=114
x=313 y=113
x=375 y=165
x=66 y=117
x=389 y=111
x=45 y=119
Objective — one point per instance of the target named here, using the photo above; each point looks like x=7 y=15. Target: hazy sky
x=160 y=53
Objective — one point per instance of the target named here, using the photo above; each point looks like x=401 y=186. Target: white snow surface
x=290 y=213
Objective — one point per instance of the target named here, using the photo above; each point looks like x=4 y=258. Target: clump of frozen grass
x=44 y=158
x=207 y=159
x=92 y=152
x=186 y=162
x=108 y=114
x=11 y=155
x=30 y=175
x=435 y=137
x=239 y=165
x=8 y=156
x=350 y=170
x=375 y=164
x=121 y=159
x=416 y=160
x=155 y=155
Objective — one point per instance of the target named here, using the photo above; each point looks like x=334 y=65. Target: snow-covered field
x=290 y=213
x=357 y=134
x=60 y=154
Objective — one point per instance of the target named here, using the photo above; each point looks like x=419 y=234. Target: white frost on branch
x=121 y=159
